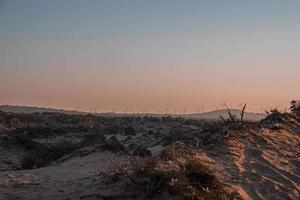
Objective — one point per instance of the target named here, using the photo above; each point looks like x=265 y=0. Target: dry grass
x=177 y=172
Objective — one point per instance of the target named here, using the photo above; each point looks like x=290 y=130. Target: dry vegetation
x=178 y=172
x=198 y=159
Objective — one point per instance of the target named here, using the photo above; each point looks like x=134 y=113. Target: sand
x=256 y=163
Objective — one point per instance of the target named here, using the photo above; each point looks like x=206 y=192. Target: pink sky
x=155 y=56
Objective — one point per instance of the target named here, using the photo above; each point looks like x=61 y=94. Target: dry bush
x=275 y=116
x=177 y=172
x=233 y=119
x=200 y=182
x=41 y=154
x=295 y=108
x=44 y=154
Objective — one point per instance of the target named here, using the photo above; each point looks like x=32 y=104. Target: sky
x=150 y=56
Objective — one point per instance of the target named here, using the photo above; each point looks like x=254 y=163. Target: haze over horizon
x=153 y=55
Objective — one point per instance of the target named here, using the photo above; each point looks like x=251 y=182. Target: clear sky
x=159 y=55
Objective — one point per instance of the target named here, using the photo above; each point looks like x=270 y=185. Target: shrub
x=112 y=144
x=23 y=140
x=192 y=180
x=129 y=131
x=295 y=107
x=44 y=154
x=232 y=118
x=92 y=139
x=178 y=171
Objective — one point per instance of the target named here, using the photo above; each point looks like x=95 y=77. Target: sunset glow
x=149 y=56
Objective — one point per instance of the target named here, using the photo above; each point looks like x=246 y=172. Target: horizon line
x=130 y=113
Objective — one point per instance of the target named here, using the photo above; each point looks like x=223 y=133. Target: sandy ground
x=261 y=165
x=69 y=179
x=258 y=163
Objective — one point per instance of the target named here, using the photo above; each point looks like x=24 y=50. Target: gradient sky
x=157 y=55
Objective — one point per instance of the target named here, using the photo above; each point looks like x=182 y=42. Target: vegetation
x=232 y=117
x=295 y=107
x=176 y=172
x=26 y=131
x=39 y=154
x=43 y=155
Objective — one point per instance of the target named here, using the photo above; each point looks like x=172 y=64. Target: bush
x=23 y=140
x=192 y=180
x=276 y=116
x=178 y=171
x=129 y=131
x=92 y=139
x=112 y=144
x=295 y=107
x=43 y=155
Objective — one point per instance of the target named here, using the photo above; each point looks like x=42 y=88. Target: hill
x=249 y=116
x=34 y=109
x=59 y=156
x=212 y=115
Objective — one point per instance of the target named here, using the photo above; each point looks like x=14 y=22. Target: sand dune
x=254 y=160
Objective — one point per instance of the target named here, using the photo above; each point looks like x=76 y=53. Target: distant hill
x=31 y=109
x=207 y=115
x=217 y=113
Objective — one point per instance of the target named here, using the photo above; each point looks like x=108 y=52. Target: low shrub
x=129 y=131
x=44 y=154
x=177 y=172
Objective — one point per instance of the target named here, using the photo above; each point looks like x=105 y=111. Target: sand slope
x=256 y=161
x=261 y=164
x=69 y=179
